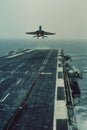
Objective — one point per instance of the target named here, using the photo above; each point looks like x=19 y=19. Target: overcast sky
x=67 y=18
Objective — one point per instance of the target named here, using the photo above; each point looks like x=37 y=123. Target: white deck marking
x=30 y=50
x=15 y=55
x=20 y=53
x=13 y=71
x=2 y=80
x=60 y=82
x=60 y=109
x=47 y=73
x=26 y=72
x=5 y=97
x=59 y=69
x=18 y=81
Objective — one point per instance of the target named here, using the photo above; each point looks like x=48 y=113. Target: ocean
x=77 y=49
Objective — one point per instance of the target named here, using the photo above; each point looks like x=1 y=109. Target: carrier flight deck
x=35 y=91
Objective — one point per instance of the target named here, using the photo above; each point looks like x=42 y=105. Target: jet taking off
x=40 y=33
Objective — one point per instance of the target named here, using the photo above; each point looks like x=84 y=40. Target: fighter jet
x=40 y=33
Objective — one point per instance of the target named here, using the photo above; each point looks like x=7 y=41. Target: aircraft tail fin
x=40 y=28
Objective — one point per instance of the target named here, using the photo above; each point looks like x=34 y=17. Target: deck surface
x=17 y=72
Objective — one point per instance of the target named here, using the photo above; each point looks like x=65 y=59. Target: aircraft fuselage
x=40 y=33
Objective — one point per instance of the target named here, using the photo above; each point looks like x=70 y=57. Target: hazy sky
x=67 y=18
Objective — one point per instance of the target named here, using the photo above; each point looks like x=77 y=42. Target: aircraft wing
x=32 y=33
x=48 y=33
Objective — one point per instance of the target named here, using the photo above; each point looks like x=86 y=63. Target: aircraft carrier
x=38 y=91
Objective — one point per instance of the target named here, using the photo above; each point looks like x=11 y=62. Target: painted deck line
x=15 y=55
x=46 y=73
x=5 y=97
x=59 y=62
x=60 y=110
x=2 y=80
x=18 y=81
x=26 y=72
x=20 y=54
x=59 y=69
x=60 y=83
x=45 y=62
x=13 y=71
x=59 y=57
